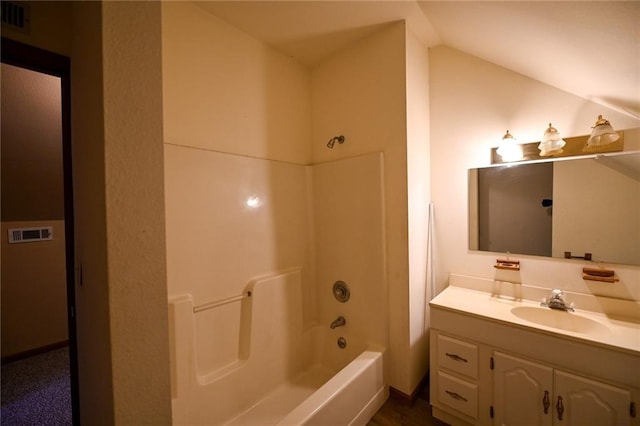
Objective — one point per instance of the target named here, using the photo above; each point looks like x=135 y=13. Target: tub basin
x=555 y=318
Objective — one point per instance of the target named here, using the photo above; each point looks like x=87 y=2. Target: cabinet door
x=581 y=401
x=522 y=391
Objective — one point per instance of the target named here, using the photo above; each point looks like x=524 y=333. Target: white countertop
x=605 y=329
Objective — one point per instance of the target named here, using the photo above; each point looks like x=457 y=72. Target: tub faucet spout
x=338 y=322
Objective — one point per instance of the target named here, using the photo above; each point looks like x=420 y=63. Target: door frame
x=40 y=60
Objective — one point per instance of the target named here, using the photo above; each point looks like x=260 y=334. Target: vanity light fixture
x=551 y=143
x=602 y=134
x=509 y=148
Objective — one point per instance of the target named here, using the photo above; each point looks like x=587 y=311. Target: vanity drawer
x=458 y=394
x=457 y=355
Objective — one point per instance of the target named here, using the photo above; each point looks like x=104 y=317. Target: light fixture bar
x=575 y=146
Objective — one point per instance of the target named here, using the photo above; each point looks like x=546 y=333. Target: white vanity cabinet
x=585 y=401
x=491 y=372
x=526 y=392
x=522 y=391
x=457 y=375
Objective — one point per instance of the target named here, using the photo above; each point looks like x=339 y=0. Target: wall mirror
x=577 y=206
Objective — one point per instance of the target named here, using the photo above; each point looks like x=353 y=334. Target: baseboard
x=32 y=352
x=409 y=399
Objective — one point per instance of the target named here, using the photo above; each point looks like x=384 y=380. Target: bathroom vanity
x=498 y=357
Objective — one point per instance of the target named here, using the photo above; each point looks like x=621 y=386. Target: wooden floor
x=398 y=412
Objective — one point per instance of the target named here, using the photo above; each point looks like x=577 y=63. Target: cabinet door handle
x=546 y=402
x=455 y=357
x=560 y=408
x=456 y=395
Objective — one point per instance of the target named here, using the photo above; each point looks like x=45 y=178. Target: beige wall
x=473 y=102
x=33 y=281
x=50 y=28
x=364 y=98
x=608 y=217
x=225 y=91
x=238 y=102
x=92 y=285
x=74 y=29
x=243 y=97
x=419 y=196
x=121 y=283
x=216 y=243
x=32 y=186
x=134 y=196
x=34 y=290
x=349 y=236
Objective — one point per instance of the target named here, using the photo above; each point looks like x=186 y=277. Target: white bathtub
x=282 y=375
x=315 y=397
x=351 y=397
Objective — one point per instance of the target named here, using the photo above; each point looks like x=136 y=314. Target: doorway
x=31 y=206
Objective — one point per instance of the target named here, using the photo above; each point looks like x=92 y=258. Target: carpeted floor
x=36 y=390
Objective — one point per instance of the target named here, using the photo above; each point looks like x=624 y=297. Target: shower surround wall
x=246 y=212
x=226 y=91
x=230 y=219
x=236 y=225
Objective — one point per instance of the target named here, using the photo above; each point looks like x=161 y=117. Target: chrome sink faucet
x=556 y=301
x=338 y=322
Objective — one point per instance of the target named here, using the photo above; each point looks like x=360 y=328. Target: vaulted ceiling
x=587 y=48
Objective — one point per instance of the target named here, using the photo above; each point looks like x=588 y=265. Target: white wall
x=117 y=154
x=596 y=204
x=418 y=196
x=240 y=96
x=31 y=145
x=92 y=286
x=237 y=119
x=225 y=91
x=348 y=210
x=228 y=93
x=357 y=94
x=34 y=286
x=34 y=290
x=134 y=202
x=473 y=102
x=217 y=241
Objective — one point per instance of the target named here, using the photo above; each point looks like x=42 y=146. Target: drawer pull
x=560 y=408
x=546 y=402
x=455 y=357
x=456 y=395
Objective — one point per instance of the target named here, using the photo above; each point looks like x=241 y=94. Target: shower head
x=333 y=140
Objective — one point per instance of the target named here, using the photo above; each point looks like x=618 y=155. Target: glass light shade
x=602 y=133
x=551 y=142
x=509 y=149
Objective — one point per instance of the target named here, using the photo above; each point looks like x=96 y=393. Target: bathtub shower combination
x=282 y=374
x=297 y=335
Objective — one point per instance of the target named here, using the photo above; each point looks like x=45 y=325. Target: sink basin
x=555 y=318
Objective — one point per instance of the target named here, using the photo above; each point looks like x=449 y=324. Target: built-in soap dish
x=508 y=264
x=599 y=274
